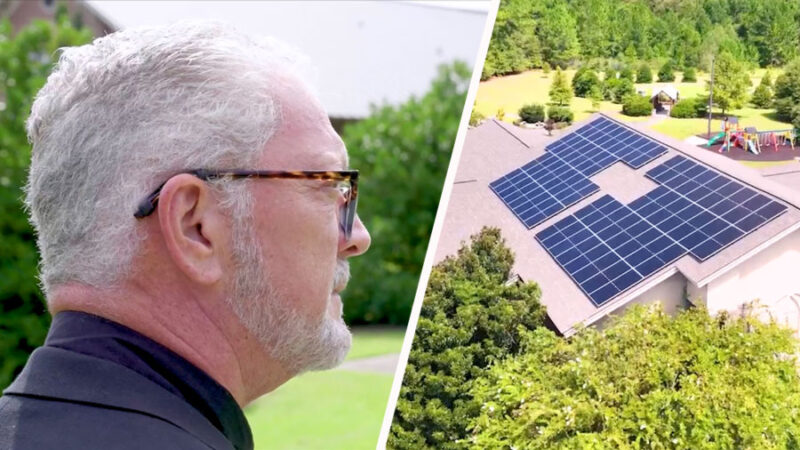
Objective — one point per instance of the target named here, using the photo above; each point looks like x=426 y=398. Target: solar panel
x=607 y=247
x=560 y=178
x=701 y=209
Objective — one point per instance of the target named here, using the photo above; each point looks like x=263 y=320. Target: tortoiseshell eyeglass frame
x=348 y=210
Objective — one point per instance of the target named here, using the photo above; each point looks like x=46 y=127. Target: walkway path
x=385 y=364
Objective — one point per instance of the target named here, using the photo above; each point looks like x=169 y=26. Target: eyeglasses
x=346 y=183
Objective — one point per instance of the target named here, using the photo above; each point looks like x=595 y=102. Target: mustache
x=342 y=275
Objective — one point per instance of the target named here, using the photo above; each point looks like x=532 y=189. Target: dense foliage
x=644 y=74
x=403 y=152
x=689 y=75
x=528 y=34
x=616 y=89
x=26 y=59
x=532 y=113
x=560 y=114
x=762 y=96
x=584 y=80
x=636 y=105
x=787 y=94
x=648 y=381
x=666 y=72
x=470 y=318
x=689 y=108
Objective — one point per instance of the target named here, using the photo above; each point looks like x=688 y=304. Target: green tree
x=666 y=72
x=557 y=32
x=470 y=318
x=560 y=90
x=644 y=74
x=762 y=96
x=514 y=46
x=689 y=75
x=787 y=94
x=731 y=81
x=626 y=73
x=403 y=152
x=596 y=95
x=26 y=59
x=647 y=381
x=584 y=79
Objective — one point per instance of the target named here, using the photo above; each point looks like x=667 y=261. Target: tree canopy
x=648 y=381
x=470 y=318
x=731 y=82
x=688 y=32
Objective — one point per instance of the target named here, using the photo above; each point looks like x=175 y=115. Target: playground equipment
x=750 y=138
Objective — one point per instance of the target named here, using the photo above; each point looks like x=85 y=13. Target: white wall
x=670 y=293
x=769 y=277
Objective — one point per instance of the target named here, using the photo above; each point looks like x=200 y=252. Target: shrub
x=560 y=114
x=532 y=113
x=616 y=89
x=546 y=68
x=689 y=75
x=644 y=74
x=667 y=72
x=584 y=80
x=762 y=96
x=470 y=318
x=646 y=381
x=626 y=73
x=685 y=109
x=475 y=118
x=636 y=105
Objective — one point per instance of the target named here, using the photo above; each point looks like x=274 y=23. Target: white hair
x=118 y=117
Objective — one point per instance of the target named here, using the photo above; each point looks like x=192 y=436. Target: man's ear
x=193 y=229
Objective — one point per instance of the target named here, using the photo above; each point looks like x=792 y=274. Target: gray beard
x=300 y=343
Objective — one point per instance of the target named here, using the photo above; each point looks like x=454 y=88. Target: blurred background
x=393 y=78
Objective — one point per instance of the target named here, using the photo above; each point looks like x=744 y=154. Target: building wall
x=769 y=277
x=21 y=13
x=669 y=293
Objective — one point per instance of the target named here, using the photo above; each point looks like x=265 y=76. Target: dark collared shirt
x=76 y=337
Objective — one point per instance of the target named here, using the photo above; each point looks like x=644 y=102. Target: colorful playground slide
x=751 y=147
x=715 y=139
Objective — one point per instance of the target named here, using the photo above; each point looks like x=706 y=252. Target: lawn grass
x=511 y=92
x=376 y=340
x=321 y=410
x=335 y=409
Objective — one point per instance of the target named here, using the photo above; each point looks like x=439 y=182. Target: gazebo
x=664 y=98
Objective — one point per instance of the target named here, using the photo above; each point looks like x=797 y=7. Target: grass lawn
x=373 y=341
x=335 y=409
x=511 y=92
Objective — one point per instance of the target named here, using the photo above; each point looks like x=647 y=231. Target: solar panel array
x=551 y=183
x=607 y=247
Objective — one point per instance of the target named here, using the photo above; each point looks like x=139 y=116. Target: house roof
x=494 y=149
x=366 y=52
x=668 y=90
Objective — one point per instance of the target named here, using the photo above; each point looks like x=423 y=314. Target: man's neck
x=205 y=333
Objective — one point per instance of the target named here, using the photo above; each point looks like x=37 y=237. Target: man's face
x=291 y=255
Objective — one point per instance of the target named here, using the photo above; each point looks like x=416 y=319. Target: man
x=194 y=217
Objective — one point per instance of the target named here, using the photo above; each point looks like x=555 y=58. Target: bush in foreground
x=532 y=113
x=469 y=319
x=636 y=105
x=648 y=381
x=689 y=108
x=560 y=114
